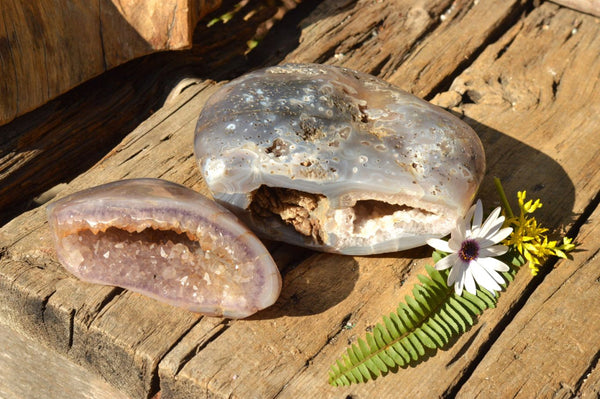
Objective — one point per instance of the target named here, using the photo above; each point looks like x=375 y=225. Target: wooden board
x=48 y=375
x=520 y=88
x=48 y=47
x=65 y=137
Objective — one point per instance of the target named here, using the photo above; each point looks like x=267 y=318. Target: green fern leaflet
x=428 y=320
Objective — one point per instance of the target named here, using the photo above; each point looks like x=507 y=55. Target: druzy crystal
x=165 y=241
x=336 y=160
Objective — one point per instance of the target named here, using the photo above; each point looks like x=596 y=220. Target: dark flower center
x=469 y=250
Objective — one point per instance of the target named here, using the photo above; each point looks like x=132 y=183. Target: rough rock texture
x=337 y=160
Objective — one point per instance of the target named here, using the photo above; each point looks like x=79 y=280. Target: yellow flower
x=529 y=238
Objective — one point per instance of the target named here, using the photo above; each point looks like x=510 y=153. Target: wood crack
x=343 y=325
x=101 y=35
x=216 y=333
x=170 y=27
x=593 y=365
x=517 y=12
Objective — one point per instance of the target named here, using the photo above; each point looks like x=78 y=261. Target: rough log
x=48 y=47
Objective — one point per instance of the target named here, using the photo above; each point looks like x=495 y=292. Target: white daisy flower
x=471 y=249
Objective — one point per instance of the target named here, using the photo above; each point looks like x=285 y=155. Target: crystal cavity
x=165 y=241
x=336 y=160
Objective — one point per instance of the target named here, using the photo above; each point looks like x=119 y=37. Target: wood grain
x=48 y=375
x=47 y=48
x=58 y=141
x=587 y=6
x=520 y=88
x=560 y=321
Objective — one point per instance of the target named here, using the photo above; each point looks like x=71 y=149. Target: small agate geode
x=336 y=160
x=165 y=241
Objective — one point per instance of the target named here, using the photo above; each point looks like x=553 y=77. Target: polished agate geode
x=165 y=241
x=336 y=160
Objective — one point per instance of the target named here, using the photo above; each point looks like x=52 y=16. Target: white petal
x=465 y=223
x=483 y=277
x=446 y=262
x=455 y=273
x=469 y=281
x=496 y=276
x=456 y=277
x=478 y=217
x=440 y=245
x=469 y=215
x=454 y=244
x=501 y=235
x=459 y=234
x=494 y=250
x=493 y=264
x=458 y=287
x=491 y=224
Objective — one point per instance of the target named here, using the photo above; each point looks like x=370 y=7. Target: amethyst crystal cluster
x=165 y=241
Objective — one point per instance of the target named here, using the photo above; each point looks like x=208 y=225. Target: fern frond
x=429 y=319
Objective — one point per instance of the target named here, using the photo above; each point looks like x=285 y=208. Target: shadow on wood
x=60 y=140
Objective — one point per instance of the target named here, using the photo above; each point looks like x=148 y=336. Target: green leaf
x=410 y=348
x=436 y=332
x=387 y=359
x=352 y=354
x=390 y=328
x=357 y=375
x=398 y=359
x=417 y=344
x=398 y=323
x=357 y=352
x=414 y=305
x=401 y=350
x=370 y=363
x=474 y=299
x=428 y=318
x=424 y=338
x=452 y=319
x=423 y=298
x=468 y=304
x=406 y=321
x=383 y=368
x=364 y=349
x=435 y=276
x=364 y=371
x=458 y=306
x=372 y=344
x=487 y=297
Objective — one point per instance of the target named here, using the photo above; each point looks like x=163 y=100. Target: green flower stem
x=503 y=198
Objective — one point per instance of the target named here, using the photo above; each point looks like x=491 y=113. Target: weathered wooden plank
x=516 y=141
x=590 y=386
x=551 y=344
x=55 y=143
x=115 y=333
x=466 y=28
x=529 y=87
x=60 y=140
x=48 y=47
x=29 y=370
x=418 y=47
x=365 y=35
x=327 y=300
x=587 y=6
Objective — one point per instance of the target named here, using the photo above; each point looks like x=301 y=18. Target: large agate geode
x=165 y=241
x=336 y=160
